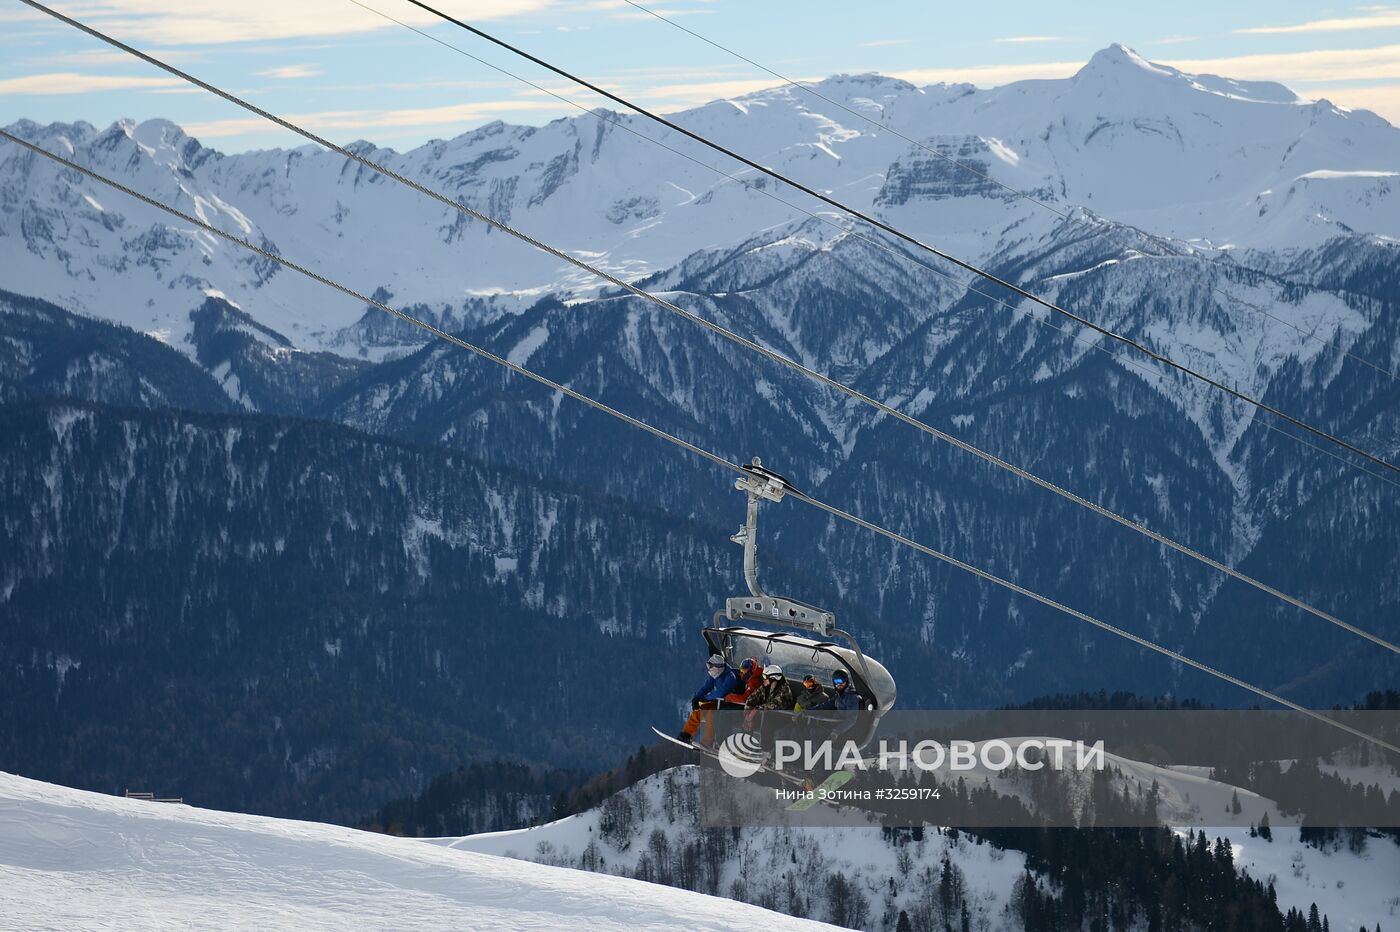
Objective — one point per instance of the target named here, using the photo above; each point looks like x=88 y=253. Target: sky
x=345 y=69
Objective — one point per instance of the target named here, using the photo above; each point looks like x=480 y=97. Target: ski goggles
x=838 y=680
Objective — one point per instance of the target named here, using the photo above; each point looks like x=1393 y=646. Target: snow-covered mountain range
x=1231 y=225
x=1211 y=164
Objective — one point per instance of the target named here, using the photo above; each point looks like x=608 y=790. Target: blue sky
x=351 y=74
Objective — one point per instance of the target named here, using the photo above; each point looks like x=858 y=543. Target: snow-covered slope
x=1205 y=160
x=1351 y=887
x=76 y=860
x=654 y=822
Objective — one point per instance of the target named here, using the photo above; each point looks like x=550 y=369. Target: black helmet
x=839 y=677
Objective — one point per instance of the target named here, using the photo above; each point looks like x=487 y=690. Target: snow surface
x=71 y=859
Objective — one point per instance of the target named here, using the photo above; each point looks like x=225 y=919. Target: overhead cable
x=855 y=231
x=916 y=242
x=970 y=168
x=686 y=445
x=727 y=334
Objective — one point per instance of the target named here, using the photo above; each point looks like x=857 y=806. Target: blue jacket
x=715 y=688
x=847 y=700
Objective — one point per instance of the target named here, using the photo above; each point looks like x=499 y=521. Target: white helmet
x=772 y=670
x=715 y=661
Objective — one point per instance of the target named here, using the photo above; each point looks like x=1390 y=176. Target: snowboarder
x=720 y=682
x=768 y=705
x=750 y=679
x=842 y=698
x=774 y=694
x=812 y=695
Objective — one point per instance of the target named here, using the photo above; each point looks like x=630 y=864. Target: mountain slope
x=865 y=876
x=72 y=859
x=292 y=618
x=47 y=352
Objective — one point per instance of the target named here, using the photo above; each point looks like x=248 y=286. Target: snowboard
x=713 y=755
x=834 y=782
x=838 y=779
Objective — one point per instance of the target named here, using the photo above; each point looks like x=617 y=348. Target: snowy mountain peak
x=165 y=143
x=156 y=133
x=1119 y=56
x=63 y=138
x=862 y=84
x=1119 y=66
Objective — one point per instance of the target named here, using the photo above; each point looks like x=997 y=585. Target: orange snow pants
x=705 y=715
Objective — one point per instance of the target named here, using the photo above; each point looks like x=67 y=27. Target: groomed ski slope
x=71 y=859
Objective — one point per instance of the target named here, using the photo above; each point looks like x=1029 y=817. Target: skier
x=720 y=682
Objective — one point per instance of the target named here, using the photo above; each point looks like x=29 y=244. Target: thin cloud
x=1382 y=99
x=989 y=75
x=71 y=82
x=1319 y=65
x=90 y=57
x=464 y=116
x=290 y=72
x=669 y=14
x=1378 y=18
x=702 y=92
x=1174 y=40
x=881 y=43
x=216 y=22
x=1027 y=40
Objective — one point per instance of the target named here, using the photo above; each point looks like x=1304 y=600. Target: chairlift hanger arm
x=760 y=485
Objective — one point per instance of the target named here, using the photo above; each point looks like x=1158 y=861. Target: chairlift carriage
x=732 y=637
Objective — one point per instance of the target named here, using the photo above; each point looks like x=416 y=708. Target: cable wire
x=965 y=166
x=727 y=334
x=915 y=241
x=686 y=445
x=851 y=230
x=854 y=230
